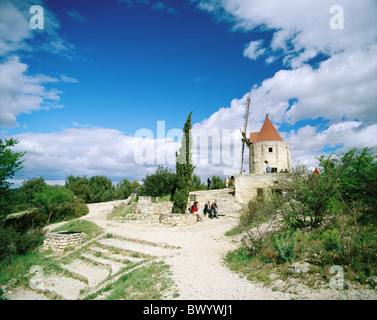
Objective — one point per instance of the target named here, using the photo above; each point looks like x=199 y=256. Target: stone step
x=135 y=247
x=127 y=258
x=63 y=287
x=94 y=274
x=113 y=266
x=116 y=256
x=25 y=294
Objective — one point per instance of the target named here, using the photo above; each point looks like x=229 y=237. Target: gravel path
x=197 y=266
x=195 y=254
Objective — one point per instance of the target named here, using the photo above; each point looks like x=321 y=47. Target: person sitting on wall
x=194 y=210
x=214 y=210
x=194 y=207
x=207 y=209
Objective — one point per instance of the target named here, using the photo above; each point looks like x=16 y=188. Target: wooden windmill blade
x=243 y=133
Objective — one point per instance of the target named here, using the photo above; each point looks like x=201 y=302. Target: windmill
x=243 y=133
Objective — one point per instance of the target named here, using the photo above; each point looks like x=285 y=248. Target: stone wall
x=224 y=199
x=147 y=209
x=176 y=219
x=277 y=153
x=249 y=186
x=63 y=239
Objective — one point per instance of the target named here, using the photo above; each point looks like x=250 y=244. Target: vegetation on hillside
x=325 y=219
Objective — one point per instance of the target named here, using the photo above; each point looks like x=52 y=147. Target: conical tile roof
x=267 y=133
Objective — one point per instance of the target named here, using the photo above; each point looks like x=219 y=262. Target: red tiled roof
x=267 y=133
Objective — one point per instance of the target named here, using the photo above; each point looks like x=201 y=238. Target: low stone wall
x=177 y=219
x=145 y=208
x=250 y=186
x=63 y=239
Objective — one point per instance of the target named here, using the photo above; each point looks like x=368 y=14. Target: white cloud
x=68 y=79
x=254 y=49
x=14 y=29
x=20 y=93
x=16 y=34
x=90 y=151
x=340 y=90
x=302 y=26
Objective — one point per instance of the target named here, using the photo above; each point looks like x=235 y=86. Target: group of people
x=211 y=209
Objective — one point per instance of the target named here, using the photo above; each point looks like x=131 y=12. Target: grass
x=90 y=228
x=119 y=211
x=322 y=248
x=163 y=199
x=16 y=267
x=146 y=283
x=236 y=230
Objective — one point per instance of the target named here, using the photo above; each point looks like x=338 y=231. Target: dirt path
x=194 y=253
x=197 y=266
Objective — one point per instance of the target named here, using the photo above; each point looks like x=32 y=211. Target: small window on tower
x=270 y=150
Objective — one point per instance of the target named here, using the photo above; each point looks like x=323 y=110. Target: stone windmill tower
x=267 y=145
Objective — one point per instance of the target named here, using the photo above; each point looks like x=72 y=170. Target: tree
x=184 y=169
x=80 y=187
x=52 y=196
x=123 y=189
x=159 y=184
x=10 y=163
x=197 y=184
x=30 y=187
x=101 y=189
x=217 y=183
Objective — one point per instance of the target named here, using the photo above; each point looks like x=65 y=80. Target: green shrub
x=16 y=242
x=180 y=200
x=69 y=211
x=261 y=210
x=285 y=245
x=331 y=240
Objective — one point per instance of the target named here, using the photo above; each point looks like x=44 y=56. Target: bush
x=180 y=200
x=285 y=245
x=159 y=184
x=69 y=211
x=241 y=255
x=217 y=183
x=261 y=210
x=35 y=219
x=16 y=242
x=101 y=189
x=331 y=240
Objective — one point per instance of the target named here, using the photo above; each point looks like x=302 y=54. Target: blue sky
x=76 y=93
x=142 y=65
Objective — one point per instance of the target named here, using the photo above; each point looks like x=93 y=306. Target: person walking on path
x=208 y=183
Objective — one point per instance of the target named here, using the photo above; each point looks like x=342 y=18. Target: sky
x=104 y=87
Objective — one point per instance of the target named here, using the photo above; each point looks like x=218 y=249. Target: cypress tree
x=184 y=169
